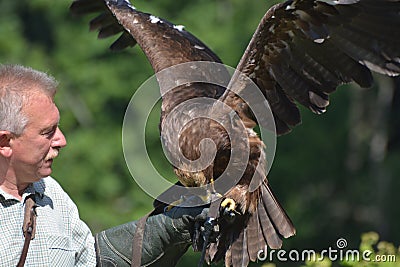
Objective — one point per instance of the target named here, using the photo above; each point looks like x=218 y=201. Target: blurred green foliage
x=325 y=173
x=379 y=254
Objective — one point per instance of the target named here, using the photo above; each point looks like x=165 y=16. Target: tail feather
x=279 y=218
x=268 y=230
x=239 y=254
x=241 y=243
x=255 y=238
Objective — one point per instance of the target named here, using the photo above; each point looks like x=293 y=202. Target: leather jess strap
x=138 y=240
x=28 y=227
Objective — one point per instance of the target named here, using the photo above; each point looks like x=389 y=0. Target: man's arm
x=167 y=237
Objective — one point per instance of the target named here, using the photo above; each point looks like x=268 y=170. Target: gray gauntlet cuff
x=166 y=238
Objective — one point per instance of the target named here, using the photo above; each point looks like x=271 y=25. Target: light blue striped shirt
x=62 y=238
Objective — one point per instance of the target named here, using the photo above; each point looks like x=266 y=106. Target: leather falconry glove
x=167 y=236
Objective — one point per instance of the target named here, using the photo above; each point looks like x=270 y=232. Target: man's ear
x=5 y=148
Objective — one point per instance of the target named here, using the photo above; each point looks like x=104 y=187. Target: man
x=30 y=140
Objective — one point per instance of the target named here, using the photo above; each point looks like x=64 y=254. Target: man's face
x=34 y=150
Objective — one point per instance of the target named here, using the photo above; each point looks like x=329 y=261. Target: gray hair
x=17 y=85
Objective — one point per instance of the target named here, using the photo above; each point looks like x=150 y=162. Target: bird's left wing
x=105 y=22
x=119 y=16
x=164 y=44
x=303 y=49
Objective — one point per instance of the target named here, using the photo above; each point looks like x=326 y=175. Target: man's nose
x=59 y=139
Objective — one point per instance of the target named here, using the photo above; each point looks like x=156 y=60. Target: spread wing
x=302 y=50
x=164 y=43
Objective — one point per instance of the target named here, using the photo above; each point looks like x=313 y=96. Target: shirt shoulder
x=50 y=187
x=48 y=184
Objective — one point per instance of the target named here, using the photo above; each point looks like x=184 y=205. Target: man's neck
x=14 y=189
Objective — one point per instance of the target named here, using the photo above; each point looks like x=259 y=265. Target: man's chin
x=45 y=172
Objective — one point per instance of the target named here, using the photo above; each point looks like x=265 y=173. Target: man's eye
x=49 y=133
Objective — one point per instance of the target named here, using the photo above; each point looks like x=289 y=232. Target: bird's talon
x=210 y=230
x=229 y=216
x=197 y=237
x=228 y=204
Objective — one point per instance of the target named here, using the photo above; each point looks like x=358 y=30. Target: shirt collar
x=36 y=188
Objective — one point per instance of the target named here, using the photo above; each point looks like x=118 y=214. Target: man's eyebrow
x=50 y=127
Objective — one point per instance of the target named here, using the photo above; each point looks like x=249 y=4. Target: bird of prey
x=301 y=51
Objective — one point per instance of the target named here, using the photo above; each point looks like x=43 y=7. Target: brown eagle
x=301 y=51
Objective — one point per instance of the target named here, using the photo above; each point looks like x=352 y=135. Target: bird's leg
x=197 y=241
x=210 y=229
x=204 y=228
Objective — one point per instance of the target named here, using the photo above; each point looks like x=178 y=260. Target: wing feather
x=303 y=50
x=83 y=7
x=164 y=44
x=124 y=40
